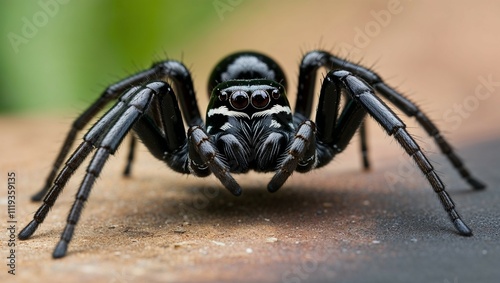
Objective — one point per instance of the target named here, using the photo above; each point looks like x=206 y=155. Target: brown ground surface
x=334 y=224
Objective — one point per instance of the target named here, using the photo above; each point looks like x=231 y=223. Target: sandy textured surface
x=329 y=224
x=333 y=224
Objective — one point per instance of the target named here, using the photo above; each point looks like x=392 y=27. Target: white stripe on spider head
x=223 y=110
x=273 y=110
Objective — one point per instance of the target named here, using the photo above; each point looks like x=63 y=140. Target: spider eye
x=239 y=100
x=260 y=99
x=223 y=96
x=275 y=94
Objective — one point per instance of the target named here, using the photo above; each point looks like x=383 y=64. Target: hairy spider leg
x=76 y=159
x=308 y=68
x=316 y=59
x=106 y=135
x=169 y=69
x=203 y=154
x=364 y=97
x=301 y=155
x=196 y=155
x=335 y=130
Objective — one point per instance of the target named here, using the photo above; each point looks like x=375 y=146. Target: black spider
x=249 y=125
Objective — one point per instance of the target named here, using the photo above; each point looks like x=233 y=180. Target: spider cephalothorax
x=249 y=125
x=251 y=122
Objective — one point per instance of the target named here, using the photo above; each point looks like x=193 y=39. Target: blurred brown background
x=334 y=224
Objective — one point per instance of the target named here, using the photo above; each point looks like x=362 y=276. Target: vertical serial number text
x=11 y=223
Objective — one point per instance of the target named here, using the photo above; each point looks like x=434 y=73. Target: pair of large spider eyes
x=240 y=99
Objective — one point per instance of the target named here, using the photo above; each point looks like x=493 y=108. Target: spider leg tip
x=126 y=175
x=476 y=184
x=462 y=228
x=234 y=188
x=277 y=181
x=127 y=171
x=38 y=196
x=28 y=230
x=60 y=250
x=236 y=192
x=272 y=188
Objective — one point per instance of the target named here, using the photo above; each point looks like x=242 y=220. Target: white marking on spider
x=249 y=63
x=250 y=88
x=274 y=124
x=223 y=110
x=273 y=110
x=226 y=126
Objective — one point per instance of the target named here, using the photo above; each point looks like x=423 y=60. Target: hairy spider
x=249 y=125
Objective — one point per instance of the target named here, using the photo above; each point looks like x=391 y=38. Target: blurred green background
x=56 y=56
x=55 y=53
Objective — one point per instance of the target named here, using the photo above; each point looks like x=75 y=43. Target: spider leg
x=335 y=131
x=203 y=155
x=76 y=159
x=106 y=135
x=363 y=95
x=309 y=66
x=162 y=131
x=170 y=69
x=301 y=153
x=130 y=156
x=412 y=110
x=333 y=134
x=350 y=119
x=313 y=60
x=364 y=146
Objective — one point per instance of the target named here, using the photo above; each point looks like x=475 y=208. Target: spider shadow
x=299 y=203
x=201 y=203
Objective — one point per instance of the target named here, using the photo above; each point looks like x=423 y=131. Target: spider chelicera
x=249 y=125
